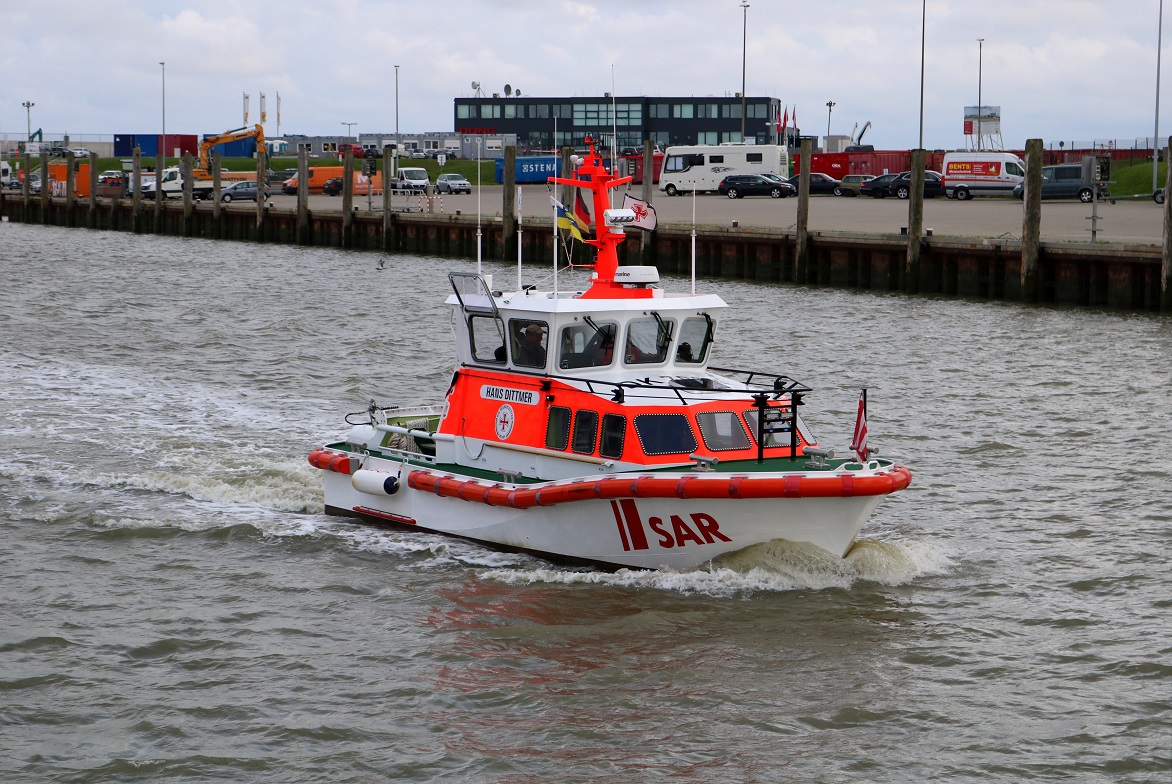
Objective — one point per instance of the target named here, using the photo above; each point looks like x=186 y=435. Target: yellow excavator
x=171 y=180
x=203 y=165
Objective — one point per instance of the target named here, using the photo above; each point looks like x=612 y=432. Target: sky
x=1073 y=70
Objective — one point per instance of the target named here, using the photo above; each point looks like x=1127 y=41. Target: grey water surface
x=176 y=607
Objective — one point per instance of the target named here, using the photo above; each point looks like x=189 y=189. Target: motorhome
x=968 y=174
x=701 y=167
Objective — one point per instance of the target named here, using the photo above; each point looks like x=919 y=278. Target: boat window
x=647 y=341
x=722 y=430
x=771 y=439
x=585 y=432
x=614 y=431
x=665 y=434
x=487 y=335
x=557 y=427
x=586 y=345
x=529 y=342
x=695 y=337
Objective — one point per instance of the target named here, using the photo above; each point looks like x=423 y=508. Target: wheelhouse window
x=487 y=336
x=722 y=431
x=590 y=344
x=585 y=432
x=614 y=432
x=529 y=342
x=648 y=341
x=665 y=434
x=695 y=338
x=557 y=428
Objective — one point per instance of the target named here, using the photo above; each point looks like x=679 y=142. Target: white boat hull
x=647 y=533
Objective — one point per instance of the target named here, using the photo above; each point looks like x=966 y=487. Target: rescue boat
x=589 y=427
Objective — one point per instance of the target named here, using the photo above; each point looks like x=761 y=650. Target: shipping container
x=123 y=145
x=531 y=169
x=148 y=144
x=632 y=166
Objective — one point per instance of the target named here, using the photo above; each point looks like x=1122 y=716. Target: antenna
x=508 y=90
x=517 y=93
x=476 y=87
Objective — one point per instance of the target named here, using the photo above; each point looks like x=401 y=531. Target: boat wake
x=774 y=566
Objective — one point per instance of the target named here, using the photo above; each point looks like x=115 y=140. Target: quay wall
x=1100 y=275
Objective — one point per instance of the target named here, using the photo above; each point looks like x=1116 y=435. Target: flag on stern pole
x=644 y=212
x=859 y=442
x=565 y=220
x=581 y=212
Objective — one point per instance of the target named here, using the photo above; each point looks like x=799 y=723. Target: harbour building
x=664 y=120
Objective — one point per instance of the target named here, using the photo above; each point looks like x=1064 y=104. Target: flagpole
x=562 y=173
x=614 y=139
x=693 y=236
x=520 y=233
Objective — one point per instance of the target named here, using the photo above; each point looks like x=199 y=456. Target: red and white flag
x=644 y=212
x=859 y=442
x=785 y=123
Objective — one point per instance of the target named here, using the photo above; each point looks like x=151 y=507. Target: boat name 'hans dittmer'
x=526 y=397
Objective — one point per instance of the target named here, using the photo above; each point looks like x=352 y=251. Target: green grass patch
x=1135 y=179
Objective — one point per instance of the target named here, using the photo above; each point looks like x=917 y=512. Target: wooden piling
x=1031 y=230
x=92 y=220
x=188 y=192
x=70 y=190
x=646 y=247
x=802 y=274
x=303 y=237
x=45 y=185
x=217 y=189
x=348 y=199
x=509 y=205
x=26 y=189
x=136 y=193
x=160 y=164
x=262 y=181
x=915 y=223
x=388 y=244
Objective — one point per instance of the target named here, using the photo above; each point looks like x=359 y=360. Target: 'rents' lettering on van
x=526 y=397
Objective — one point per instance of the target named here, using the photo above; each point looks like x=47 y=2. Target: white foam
x=770 y=567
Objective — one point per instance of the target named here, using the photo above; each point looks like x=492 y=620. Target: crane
x=205 y=147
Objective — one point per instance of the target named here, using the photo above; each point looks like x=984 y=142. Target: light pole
x=980 y=75
x=163 y=65
x=1156 y=131
x=348 y=127
x=28 y=111
x=396 y=110
x=744 y=46
x=923 y=26
x=829 y=109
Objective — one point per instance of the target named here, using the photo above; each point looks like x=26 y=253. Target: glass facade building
x=550 y=123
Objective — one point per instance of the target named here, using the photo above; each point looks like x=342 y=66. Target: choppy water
x=176 y=607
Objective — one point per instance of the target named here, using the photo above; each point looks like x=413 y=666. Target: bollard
x=1031 y=231
x=802 y=274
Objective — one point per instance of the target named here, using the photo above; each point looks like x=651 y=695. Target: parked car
x=80 y=152
x=901 y=186
x=737 y=186
x=243 y=190
x=876 y=187
x=819 y=183
x=851 y=183
x=418 y=154
x=786 y=188
x=279 y=177
x=452 y=183
x=1065 y=181
x=332 y=187
x=345 y=147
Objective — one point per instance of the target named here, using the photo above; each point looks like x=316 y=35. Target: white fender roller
x=375 y=482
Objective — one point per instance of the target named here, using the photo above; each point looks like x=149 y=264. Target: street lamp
x=1156 y=131
x=396 y=110
x=28 y=111
x=348 y=127
x=164 y=68
x=744 y=46
x=829 y=109
x=923 y=38
x=980 y=74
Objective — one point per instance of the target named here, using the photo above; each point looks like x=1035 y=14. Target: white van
x=701 y=167
x=968 y=174
x=5 y=173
